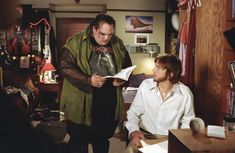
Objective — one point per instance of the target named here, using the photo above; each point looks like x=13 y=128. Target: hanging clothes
x=183 y=4
x=52 y=43
x=47 y=50
x=43 y=38
x=183 y=45
x=189 y=62
x=18 y=45
x=188 y=40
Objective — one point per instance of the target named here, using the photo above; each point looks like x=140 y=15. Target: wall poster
x=139 y=24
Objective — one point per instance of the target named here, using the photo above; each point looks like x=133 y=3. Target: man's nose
x=154 y=69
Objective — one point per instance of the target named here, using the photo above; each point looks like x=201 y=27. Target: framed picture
x=141 y=39
x=139 y=24
x=24 y=62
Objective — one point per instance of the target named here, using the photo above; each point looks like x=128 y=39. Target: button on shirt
x=155 y=115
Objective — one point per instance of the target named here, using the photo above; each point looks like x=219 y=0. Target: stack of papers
x=158 y=148
x=216 y=131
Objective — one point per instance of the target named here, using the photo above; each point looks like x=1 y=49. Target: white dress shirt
x=155 y=115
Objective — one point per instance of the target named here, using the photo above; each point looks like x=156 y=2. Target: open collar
x=176 y=88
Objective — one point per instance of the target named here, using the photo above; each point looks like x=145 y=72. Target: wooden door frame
x=65 y=20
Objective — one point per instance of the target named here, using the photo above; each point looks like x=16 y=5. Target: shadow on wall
x=206 y=97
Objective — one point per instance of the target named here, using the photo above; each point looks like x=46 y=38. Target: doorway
x=66 y=27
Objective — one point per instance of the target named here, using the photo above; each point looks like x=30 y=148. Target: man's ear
x=94 y=29
x=171 y=75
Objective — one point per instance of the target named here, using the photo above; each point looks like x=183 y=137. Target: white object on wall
x=175 y=21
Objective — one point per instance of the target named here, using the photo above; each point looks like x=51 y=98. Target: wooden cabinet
x=53 y=87
x=212 y=54
x=50 y=93
x=185 y=141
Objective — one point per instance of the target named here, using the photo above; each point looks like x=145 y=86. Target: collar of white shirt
x=176 y=88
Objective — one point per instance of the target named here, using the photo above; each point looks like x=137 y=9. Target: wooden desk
x=50 y=88
x=53 y=87
x=185 y=141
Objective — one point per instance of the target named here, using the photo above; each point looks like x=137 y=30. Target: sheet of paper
x=144 y=144
x=156 y=148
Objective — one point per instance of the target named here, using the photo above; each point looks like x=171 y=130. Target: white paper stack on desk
x=216 y=131
x=161 y=147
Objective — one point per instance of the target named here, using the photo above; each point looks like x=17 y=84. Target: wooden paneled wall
x=210 y=67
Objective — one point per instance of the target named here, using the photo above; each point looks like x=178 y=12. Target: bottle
x=229 y=124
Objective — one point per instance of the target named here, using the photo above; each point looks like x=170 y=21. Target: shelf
x=143 y=49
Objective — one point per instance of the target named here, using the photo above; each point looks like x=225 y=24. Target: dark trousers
x=82 y=135
x=103 y=127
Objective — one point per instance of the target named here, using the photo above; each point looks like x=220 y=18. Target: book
x=216 y=131
x=124 y=74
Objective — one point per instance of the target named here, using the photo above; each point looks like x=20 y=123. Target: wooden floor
x=57 y=131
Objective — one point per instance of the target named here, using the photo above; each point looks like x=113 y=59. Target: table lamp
x=46 y=73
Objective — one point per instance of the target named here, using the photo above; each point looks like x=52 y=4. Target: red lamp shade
x=48 y=67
